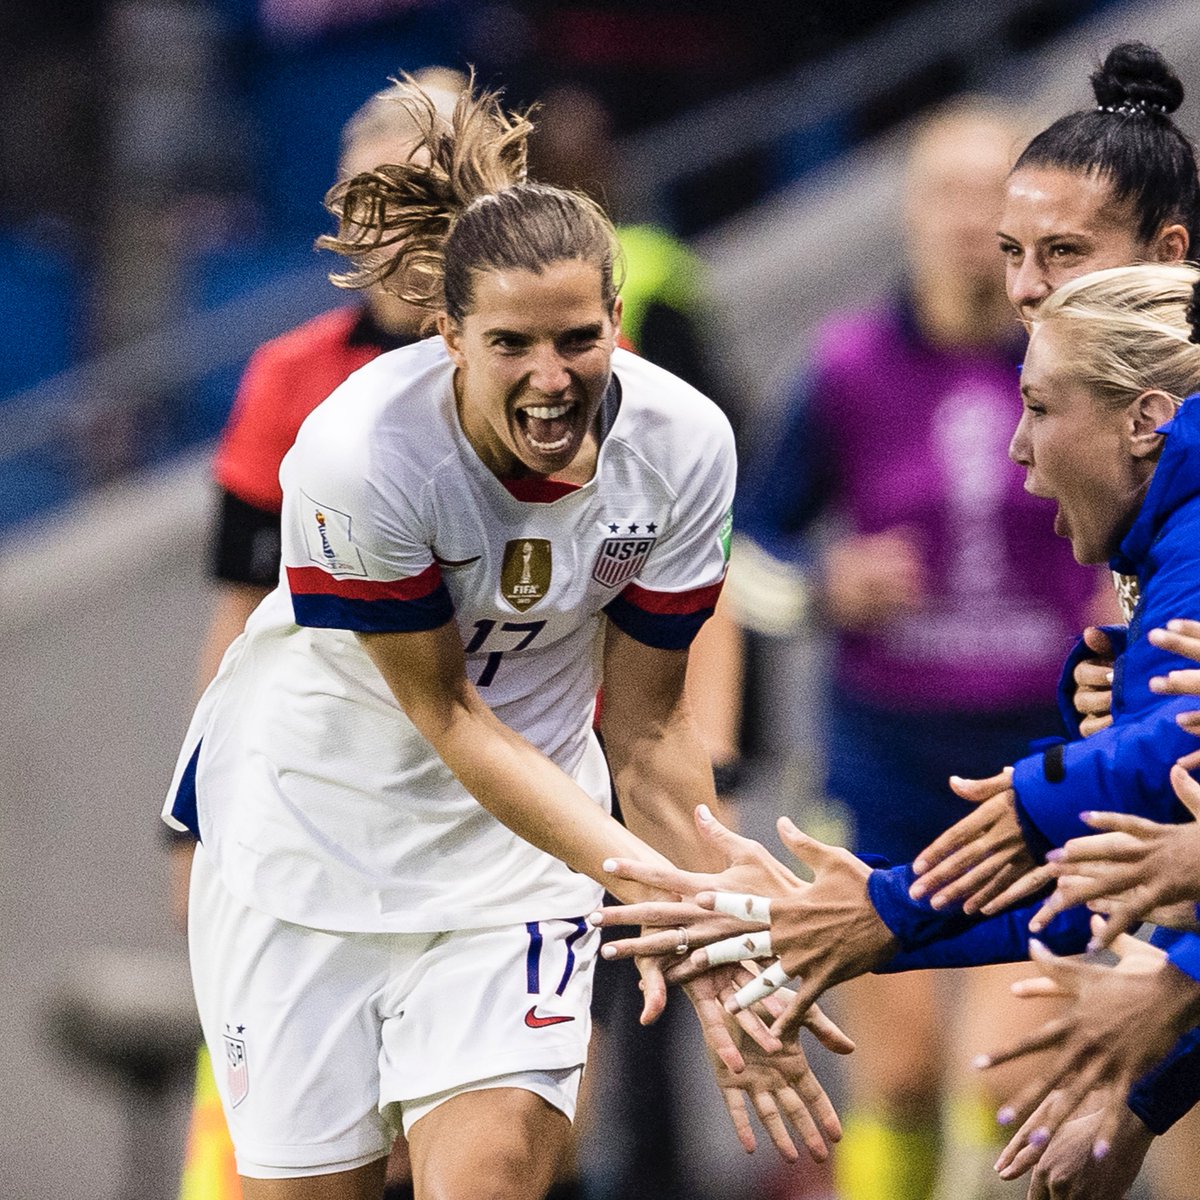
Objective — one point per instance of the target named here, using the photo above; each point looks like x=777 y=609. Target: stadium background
x=160 y=169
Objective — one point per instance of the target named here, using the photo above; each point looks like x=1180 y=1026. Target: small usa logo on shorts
x=237 y=1075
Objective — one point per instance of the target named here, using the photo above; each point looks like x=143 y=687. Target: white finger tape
x=737 y=949
x=761 y=986
x=743 y=906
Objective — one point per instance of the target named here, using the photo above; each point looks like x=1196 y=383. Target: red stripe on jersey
x=312 y=581
x=674 y=602
x=538 y=489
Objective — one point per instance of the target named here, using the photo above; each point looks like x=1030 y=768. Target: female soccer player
x=401 y=805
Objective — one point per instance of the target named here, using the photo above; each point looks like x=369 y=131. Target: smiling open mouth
x=548 y=428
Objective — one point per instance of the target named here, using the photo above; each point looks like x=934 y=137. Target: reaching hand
x=975 y=860
x=1093 y=682
x=1134 y=866
x=1065 y=1166
x=870 y=580
x=1183 y=638
x=749 y=867
x=784 y=1092
x=824 y=932
x=1124 y=1020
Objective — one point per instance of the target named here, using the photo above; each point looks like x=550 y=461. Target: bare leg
x=891 y=1143
x=1174 y=1161
x=363 y=1183
x=988 y=1016
x=495 y=1144
x=897 y=1068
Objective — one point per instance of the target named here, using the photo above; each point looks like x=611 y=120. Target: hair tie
x=1133 y=108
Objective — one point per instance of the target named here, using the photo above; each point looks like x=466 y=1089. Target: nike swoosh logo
x=455 y=562
x=536 y=1022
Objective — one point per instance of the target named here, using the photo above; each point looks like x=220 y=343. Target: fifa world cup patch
x=624 y=554
x=525 y=572
x=237 y=1073
x=327 y=534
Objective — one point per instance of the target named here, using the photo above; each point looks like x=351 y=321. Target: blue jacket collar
x=1176 y=480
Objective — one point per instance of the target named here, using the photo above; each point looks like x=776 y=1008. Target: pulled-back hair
x=1130 y=140
x=460 y=204
x=1128 y=330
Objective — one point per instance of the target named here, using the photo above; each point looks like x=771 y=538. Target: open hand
x=1134 y=866
x=785 y=1093
x=824 y=932
x=1065 y=1166
x=1122 y=1021
x=979 y=857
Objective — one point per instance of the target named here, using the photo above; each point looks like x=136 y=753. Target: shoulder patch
x=328 y=536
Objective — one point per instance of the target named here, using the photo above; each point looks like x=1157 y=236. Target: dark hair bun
x=1136 y=74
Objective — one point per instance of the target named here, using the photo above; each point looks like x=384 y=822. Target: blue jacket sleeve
x=1183 y=952
x=1169 y=1090
x=929 y=938
x=1124 y=768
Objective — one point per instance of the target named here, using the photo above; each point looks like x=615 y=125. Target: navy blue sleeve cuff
x=1172 y=1088
x=913 y=922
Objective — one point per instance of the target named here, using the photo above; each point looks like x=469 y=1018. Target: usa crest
x=621 y=558
x=237 y=1075
x=525 y=572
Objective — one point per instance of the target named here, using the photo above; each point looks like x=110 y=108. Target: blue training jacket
x=1124 y=768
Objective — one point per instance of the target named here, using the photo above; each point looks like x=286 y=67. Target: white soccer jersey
x=315 y=796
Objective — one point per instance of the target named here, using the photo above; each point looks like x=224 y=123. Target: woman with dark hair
x=401 y=805
x=1105 y=186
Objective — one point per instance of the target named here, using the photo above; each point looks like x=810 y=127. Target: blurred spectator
x=886 y=508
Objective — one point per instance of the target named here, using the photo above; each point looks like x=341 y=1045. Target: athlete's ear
x=1147 y=412
x=1171 y=243
x=617 y=309
x=452 y=336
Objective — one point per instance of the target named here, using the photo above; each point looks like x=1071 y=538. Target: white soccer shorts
x=319 y=1038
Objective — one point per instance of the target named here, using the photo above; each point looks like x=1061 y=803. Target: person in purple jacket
x=949 y=598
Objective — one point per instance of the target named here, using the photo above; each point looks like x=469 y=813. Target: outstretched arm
x=513 y=780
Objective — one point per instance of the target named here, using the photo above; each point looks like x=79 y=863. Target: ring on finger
x=682 y=945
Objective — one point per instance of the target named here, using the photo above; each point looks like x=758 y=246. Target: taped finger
x=737 y=949
x=751 y=909
x=761 y=986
